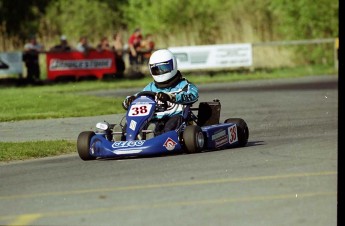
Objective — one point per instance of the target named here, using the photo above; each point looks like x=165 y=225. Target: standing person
x=134 y=42
x=118 y=48
x=63 y=46
x=104 y=45
x=31 y=59
x=83 y=45
x=147 y=46
x=170 y=87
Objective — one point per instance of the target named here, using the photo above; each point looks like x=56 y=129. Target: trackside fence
x=270 y=55
x=294 y=53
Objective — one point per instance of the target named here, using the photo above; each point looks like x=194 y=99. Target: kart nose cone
x=102 y=125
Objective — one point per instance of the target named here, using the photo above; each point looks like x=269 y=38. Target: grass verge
x=65 y=100
x=37 y=103
x=34 y=149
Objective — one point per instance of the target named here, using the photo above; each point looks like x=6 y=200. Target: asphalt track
x=287 y=175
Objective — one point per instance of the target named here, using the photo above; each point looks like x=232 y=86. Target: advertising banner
x=213 y=56
x=93 y=63
x=11 y=64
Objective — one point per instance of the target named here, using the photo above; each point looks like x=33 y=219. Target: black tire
x=193 y=139
x=242 y=130
x=83 y=145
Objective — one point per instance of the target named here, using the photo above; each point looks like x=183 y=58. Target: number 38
x=233 y=134
x=139 y=110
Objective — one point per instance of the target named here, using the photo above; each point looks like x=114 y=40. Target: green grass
x=37 y=149
x=36 y=103
x=65 y=100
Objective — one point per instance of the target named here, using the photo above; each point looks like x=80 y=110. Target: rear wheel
x=242 y=130
x=83 y=145
x=193 y=139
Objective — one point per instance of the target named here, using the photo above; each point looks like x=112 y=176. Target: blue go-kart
x=139 y=135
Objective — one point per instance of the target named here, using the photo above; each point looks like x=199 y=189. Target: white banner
x=11 y=63
x=213 y=56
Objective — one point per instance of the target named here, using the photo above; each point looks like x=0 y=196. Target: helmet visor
x=162 y=67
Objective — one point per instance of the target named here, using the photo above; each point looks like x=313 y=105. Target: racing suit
x=185 y=93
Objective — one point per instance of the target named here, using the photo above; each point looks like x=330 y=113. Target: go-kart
x=135 y=138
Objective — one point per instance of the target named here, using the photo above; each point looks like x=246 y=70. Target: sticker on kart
x=139 y=110
x=232 y=134
x=128 y=144
x=170 y=144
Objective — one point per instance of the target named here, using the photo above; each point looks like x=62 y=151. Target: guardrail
x=296 y=42
x=303 y=42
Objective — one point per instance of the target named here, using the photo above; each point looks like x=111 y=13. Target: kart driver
x=171 y=88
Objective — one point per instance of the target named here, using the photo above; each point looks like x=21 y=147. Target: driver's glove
x=127 y=102
x=164 y=97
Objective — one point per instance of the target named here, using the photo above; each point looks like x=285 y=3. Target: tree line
x=174 y=22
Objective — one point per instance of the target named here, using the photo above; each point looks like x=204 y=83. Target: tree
x=81 y=18
x=21 y=18
x=197 y=20
x=306 y=19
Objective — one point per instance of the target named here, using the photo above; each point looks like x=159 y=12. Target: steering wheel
x=159 y=107
x=147 y=93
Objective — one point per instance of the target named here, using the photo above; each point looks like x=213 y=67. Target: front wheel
x=193 y=139
x=242 y=130
x=83 y=145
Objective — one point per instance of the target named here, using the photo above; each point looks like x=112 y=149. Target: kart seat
x=209 y=113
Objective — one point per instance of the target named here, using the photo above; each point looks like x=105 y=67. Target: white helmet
x=162 y=65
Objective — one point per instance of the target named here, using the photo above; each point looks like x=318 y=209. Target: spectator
x=31 y=59
x=147 y=46
x=63 y=46
x=134 y=42
x=118 y=48
x=83 y=45
x=118 y=45
x=103 y=45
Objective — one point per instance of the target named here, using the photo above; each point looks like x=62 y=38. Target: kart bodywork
x=197 y=133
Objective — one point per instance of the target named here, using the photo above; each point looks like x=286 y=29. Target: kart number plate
x=140 y=110
x=233 y=136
